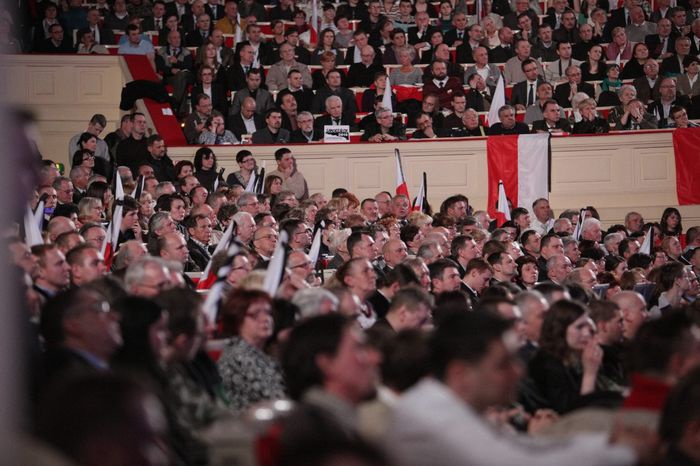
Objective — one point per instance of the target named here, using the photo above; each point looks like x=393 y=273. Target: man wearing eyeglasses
x=300 y=265
x=147 y=277
x=80 y=334
x=264 y=242
x=299 y=234
x=199 y=228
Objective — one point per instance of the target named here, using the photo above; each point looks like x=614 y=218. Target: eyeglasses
x=248 y=160
x=87 y=157
x=265 y=237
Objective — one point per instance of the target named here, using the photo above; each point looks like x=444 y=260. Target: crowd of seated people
x=398 y=323
x=209 y=50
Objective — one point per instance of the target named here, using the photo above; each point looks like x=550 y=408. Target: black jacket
x=237 y=127
x=163 y=168
x=199 y=255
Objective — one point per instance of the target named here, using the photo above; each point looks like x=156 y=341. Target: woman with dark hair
x=565 y=368
x=593 y=69
x=635 y=67
x=247 y=165
x=671 y=222
x=272 y=186
x=88 y=141
x=183 y=168
x=84 y=158
x=616 y=265
x=527 y=272
x=205 y=168
x=249 y=374
x=101 y=190
x=326 y=43
x=435 y=39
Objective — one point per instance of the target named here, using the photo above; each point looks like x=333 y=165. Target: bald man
x=59 y=225
x=634 y=312
x=394 y=252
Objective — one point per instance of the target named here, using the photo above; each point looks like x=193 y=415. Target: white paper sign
x=340 y=133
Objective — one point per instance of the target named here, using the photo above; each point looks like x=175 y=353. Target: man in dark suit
x=694 y=37
x=181 y=8
x=466 y=50
x=508 y=124
x=648 y=85
x=272 y=133
x=568 y=32
x=334 y=115
x=442 y=85
x=476 y=278
x=225 y=54
x=262 y=52
x=678 y=21
x=200 y=35
x=479 y=96
x=524 y=93
x=175 y=64
x=155 y=22
x=621 y=17
x=362 y=74
x=305 y=131
x=660 y=45
x=503 y=52
x=419 y=35
x=214 y=10
x=361 y=39
x=661 y=107
x=334 y=87
x=552 y=122
x=247 y=120
x=57 y=42
x=673 y=65
x=303 y=95
x=459 y=33
x=564 y=92
x=89 y=345
x=199 y=229
x=188 y=22
x=103 y=35
x=236 y=74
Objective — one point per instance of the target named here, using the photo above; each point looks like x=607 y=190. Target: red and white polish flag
x=401 y=185
x=522 y=163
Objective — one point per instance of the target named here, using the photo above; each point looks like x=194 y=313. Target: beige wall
x=64 y=92
x=615 y=173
